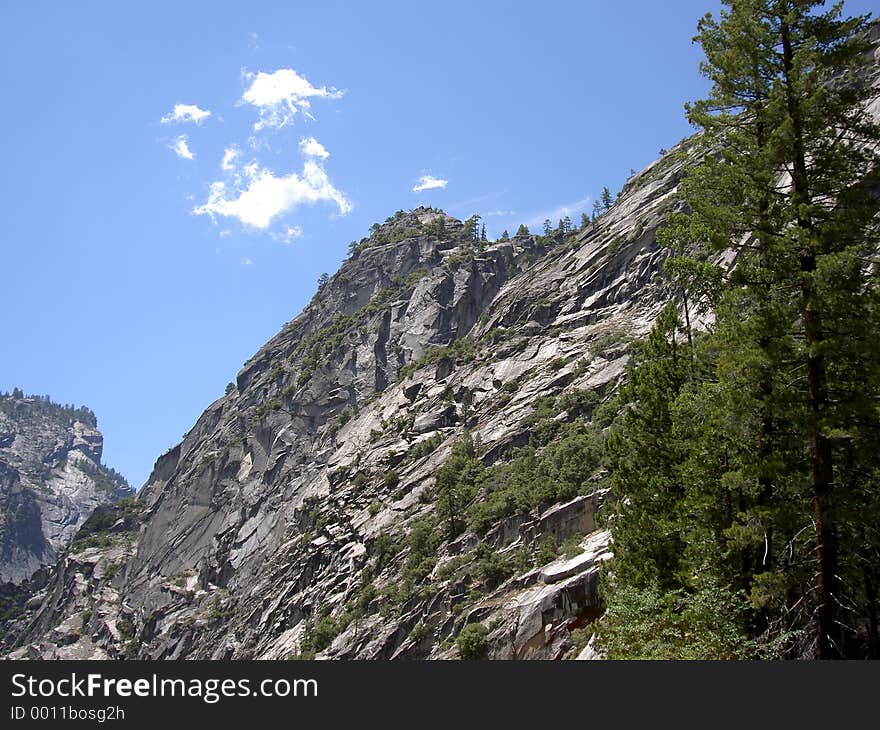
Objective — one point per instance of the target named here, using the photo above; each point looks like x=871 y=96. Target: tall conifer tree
x=780 y=425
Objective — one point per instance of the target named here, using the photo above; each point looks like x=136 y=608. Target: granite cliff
x=408 y=469
x=302 y=513
x=51 y=480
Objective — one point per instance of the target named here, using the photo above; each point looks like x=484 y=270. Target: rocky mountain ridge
x=51 y=480
x=407 y=470
x=288 y=521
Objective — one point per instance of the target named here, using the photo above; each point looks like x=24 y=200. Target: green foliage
x=106 y=479
x=423 y=448
x=18 y=403
x=317 y=636
x=472 y=228
x=493 y=568
x=101 y=527
x=461 y=351
x=471 y=641
x=385 y=548
x=456 y=484
x=745 y=465
x=423 y=541
x=125 y=627
x=649 y=623
x=571 y=548
x=534 y=479
x=547 y=552
x=436 y=228
x=419 y=633
x=511 y=386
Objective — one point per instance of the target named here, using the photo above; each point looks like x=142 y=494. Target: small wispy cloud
x=311 y=147
x=500 y=213
x=186 y=113
x=229 y=156
x=281 y=95
x=559 y=212
x=429 y=182
x=288 y=235
x=246 y=262
x=181 y=148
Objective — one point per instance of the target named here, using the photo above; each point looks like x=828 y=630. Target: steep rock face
x=291 y=518
x=51 y=479
x=272 y=518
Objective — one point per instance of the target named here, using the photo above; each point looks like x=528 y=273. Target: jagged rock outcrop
x=51 y=480
x=272 y=519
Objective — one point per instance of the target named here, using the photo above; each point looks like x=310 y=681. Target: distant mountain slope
x=51 y=480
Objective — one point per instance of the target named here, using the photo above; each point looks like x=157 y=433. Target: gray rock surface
x=268 y=514
x=51 y=480
x=283 y=510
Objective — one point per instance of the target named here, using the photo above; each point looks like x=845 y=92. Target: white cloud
x=246 y=262
x=555 y=215
x=229 y=155
x=186 y=113
x=500 y=213
x=313 y=148
x=281 y=94
x=288 y=234
x=225 y=233
x=429 y=182
x=181 y=148
x=261 y=196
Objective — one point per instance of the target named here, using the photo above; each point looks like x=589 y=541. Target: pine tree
x=784 y=99
x=456 y=484
x=472 y=228
x=647 y=548
x=607 y=199
x=523 y=230
x=787 y=165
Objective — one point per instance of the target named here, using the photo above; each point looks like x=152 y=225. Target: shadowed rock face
x=269 y=513
x=51 y=479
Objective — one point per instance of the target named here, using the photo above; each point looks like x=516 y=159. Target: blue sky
x=140 y=272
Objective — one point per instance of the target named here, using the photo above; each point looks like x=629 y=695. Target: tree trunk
x=828 y=628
